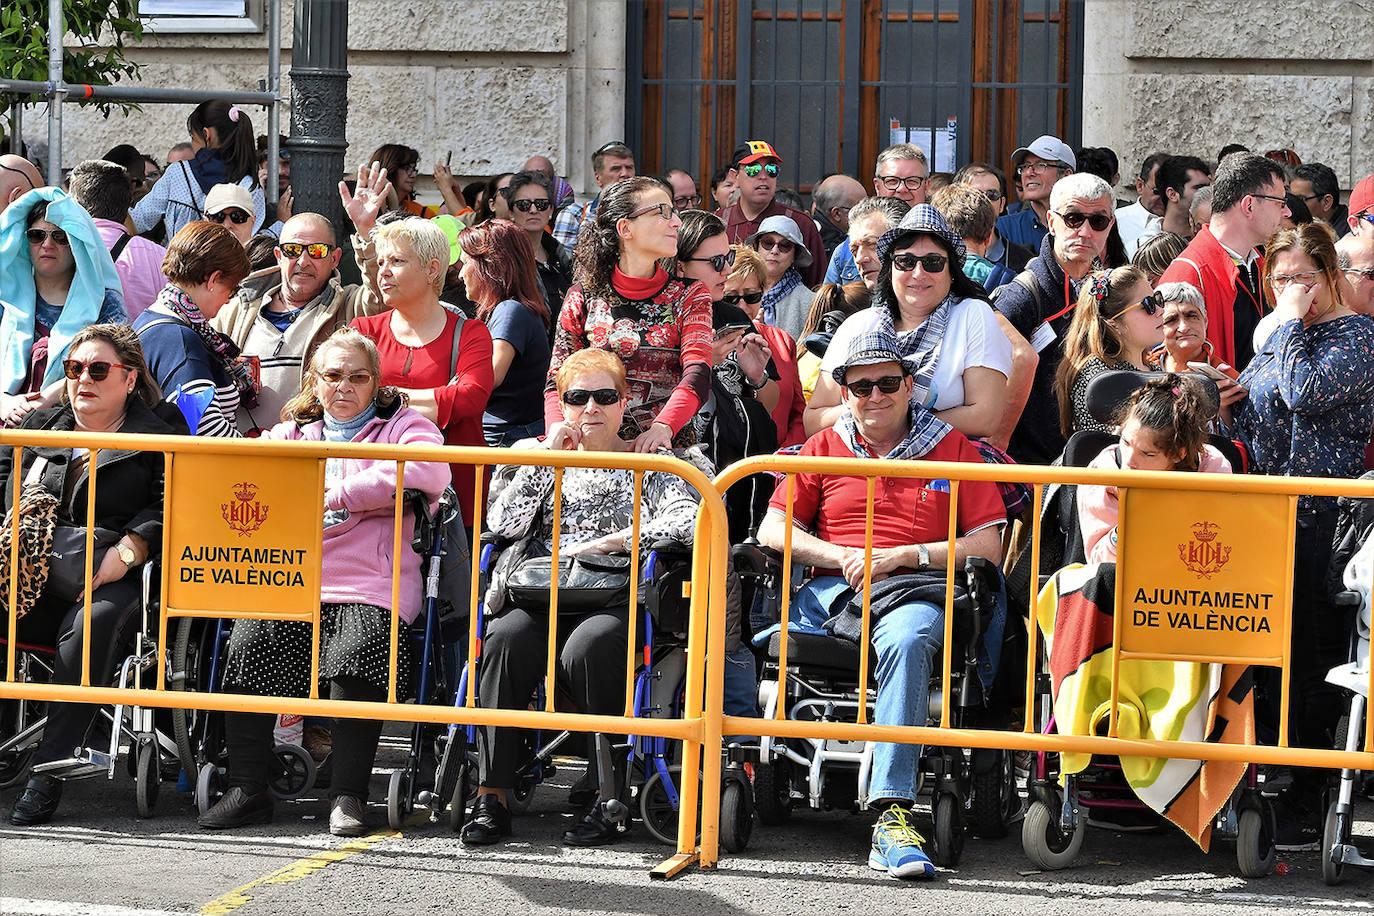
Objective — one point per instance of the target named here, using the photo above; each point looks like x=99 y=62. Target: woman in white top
x=942 y=320
x=224 y=153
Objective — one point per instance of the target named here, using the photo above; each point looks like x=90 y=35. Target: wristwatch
x=126 y=554
x=922 y=556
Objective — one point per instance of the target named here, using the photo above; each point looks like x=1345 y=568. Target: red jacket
x=1204 y=264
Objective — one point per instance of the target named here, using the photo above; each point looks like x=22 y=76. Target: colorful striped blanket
x=1174 y=701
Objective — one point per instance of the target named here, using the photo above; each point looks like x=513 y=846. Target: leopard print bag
x=37 y=522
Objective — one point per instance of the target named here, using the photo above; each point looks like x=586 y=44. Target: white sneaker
x=346 y=817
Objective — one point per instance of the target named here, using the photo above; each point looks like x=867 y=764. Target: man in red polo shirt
x=756 y=169
x=910 y=536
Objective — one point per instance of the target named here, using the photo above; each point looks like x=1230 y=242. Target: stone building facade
x=1189 y=76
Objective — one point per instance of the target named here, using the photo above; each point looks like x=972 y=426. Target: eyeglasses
x=993 y=194
x=524 y=206
x=1038 y=167
x=38 y=236
x=10 y=168
x=354 y=379
x=317 y=250
x=1305 y=278
x=578 y=397
x=888 y=384
x=770 y=169
x=933 y=263
x=687 y=201
x=1149 y=305
x=1073 y=219
x=892 y=183
x=753 y=298
x=768 y=243
x=1367 y=217
x=664 y=211
x=413 y=168
x=1309 y=197
x=1366 y=272
x=238 y=216
x=1282 y=201
x=98 y=369
x=718 y=262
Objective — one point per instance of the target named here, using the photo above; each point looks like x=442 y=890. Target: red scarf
x=639 y=288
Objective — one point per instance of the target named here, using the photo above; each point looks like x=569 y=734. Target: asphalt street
x=97 y=859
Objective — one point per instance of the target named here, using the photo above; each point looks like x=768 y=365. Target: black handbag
x=587 y=582
x=67 y=563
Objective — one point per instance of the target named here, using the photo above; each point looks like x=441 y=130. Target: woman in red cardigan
x=624 y=302
x=417 y=335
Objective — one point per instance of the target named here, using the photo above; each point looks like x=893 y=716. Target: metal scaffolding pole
x=56 y=29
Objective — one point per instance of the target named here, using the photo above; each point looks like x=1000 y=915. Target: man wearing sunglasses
x=1038 y=166
x=756 y=168
x=18 y=176
x=1039 y=303
x=231 y=206
x=1361 y=206
x=910 y=532
x=1222 y=263
x=610 y=163
x=1355 y=257
x=281 y=314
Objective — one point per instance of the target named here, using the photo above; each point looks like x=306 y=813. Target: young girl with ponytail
x=623 y=301
x=224 y=153
x=1163 y=428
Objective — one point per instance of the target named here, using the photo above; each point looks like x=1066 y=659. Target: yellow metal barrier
x=1131 y=484
x=287 y=504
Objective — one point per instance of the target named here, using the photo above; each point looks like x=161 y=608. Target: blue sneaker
x=897 y=846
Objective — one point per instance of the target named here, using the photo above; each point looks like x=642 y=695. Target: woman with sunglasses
x=56 y=277
x=1309 y=413
x=625 y=302
x=196 y=366
x=224 y=151
x=1117 y=321
x=402 y=165
x=941 y=319
x=597 y=511
x=786 y=297
x=340 y=400
x=106 y=388
x=530 y=198
x=230 y=206
x=499 y=276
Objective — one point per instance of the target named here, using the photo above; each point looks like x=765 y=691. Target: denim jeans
x=504 y=435
x=741 y=688
x=905 y=641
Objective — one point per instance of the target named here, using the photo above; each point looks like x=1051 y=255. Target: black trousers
x=114 y=607
x=591 y=674
x=248 y=736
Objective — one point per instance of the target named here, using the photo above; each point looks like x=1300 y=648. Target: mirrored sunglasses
x=317 y=250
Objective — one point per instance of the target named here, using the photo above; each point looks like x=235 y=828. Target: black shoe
x=1298 y=827
x=593 y=829
x=490 y=822
x=38 y=802
x=238 y=809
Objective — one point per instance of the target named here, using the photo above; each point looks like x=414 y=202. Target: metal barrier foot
x=671 y=867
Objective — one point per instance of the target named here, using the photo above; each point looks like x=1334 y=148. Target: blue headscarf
x=95 y=273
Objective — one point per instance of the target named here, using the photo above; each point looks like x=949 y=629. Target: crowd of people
x=956 y=317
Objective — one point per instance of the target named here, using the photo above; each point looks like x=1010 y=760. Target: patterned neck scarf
x=922 y=346
x=183 y=307
x=926 y=432
x=790 y=281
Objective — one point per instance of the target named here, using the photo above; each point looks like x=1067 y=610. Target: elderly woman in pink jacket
x=340 y=401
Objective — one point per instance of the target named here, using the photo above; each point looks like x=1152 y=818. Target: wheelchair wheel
x=399 y=804
x=1042 y=840
x=773 y=791
x=14 y=764
x=995 y=800
x=1333 y=869
x=658 y=811
x=293 y=772
x=949 y=830
x=736 y=816
x=463 y=792
x=209 y=787
x=185 y=675
x=148 y=777
x=1255 y=843
x=519 y=798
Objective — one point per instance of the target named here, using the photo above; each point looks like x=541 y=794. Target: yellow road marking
x=301 y=868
